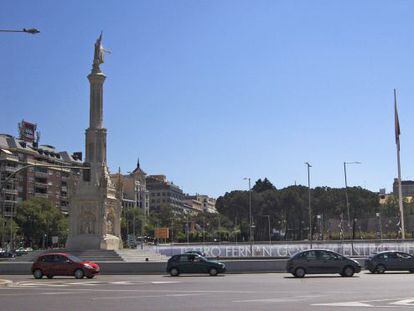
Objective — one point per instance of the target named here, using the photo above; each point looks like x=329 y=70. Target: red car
x=52 y=264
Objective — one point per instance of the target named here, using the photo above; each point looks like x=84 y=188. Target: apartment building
x=35 y=181
x=164 y=193
x=201 y=202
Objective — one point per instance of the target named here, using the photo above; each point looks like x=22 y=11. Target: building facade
x=407 y=187
x=133 y=187
x=36 y=181
x=163 y=193
x=201 y=203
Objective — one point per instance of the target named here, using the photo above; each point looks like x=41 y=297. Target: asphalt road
x=273 y=291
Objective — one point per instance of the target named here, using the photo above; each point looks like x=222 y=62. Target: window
x=48 y=258
x=387 y=256
x=60 y=259
x=393 y=256
x=185 y=258
x=311 y=255
x=403 y=255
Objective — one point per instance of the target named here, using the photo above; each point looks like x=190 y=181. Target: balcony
x=9 y=213
x=9 y=169
x=8 y=201
x=41 y=174
x=40 y=185
x=10 y=191
x=9 y=157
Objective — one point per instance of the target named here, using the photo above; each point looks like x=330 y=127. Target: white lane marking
x=287 y=299
x=82 y=283
x=405 y=302
x=38 y=284
x=165 y=282
x=44 y=293
x=344 y=304
x=182 y=295
x=367 y=303
x=58 y=293
x=147 y=296
x=121 y=283
x=265 y=300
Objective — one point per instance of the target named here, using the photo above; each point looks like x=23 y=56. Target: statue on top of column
x=98 y=57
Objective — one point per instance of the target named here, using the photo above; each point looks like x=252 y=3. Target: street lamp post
x=268 y=222
x=346 y=192
x=30 y=31
x=320 y=233
x=187 y=230
x=250 y=216
x=379 y=224
x=309 y=203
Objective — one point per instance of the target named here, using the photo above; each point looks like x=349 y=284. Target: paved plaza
x=273 y=291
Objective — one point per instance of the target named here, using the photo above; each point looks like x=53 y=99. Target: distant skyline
x=210 y=92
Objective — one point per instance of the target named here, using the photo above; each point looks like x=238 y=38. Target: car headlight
x=88 y=266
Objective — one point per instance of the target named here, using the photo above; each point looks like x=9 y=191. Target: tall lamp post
x=250 y=216
x=346 y=191
x=30 y=31
x=268 y=222
x=309 y=203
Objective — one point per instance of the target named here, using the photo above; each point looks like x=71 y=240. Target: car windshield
x=74 y=258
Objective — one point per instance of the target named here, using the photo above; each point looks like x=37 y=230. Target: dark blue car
x=193 y=263
x=390 y=261
x=320 y=261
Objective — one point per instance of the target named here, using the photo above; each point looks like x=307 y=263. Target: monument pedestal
x=95 y=214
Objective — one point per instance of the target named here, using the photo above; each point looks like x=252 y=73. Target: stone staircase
x=139 y=255
x=92 y=255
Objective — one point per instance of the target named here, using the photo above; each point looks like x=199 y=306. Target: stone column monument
x=95 y=209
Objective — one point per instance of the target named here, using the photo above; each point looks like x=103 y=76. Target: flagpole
x=397 y=137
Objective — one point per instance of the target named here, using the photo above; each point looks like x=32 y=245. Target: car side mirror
x=68 y=261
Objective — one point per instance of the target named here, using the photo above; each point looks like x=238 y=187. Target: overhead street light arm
x=32 y=31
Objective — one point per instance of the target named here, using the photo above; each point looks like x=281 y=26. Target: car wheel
x=50 y=276
x=348 y=272
x=380 y=269
x=38 y=274
x=79 y=274
x=90 y=276
x=213 y=271
x=174 y=272
x=299 y=272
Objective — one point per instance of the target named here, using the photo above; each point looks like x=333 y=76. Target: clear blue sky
x=208 y=92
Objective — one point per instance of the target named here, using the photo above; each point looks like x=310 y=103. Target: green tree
x=38 y=217
x=8 y=227
x=263 y=185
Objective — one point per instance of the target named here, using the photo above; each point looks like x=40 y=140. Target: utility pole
x=268 y=222
x=250 y=217
x=32 y=31
x=346 y=193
